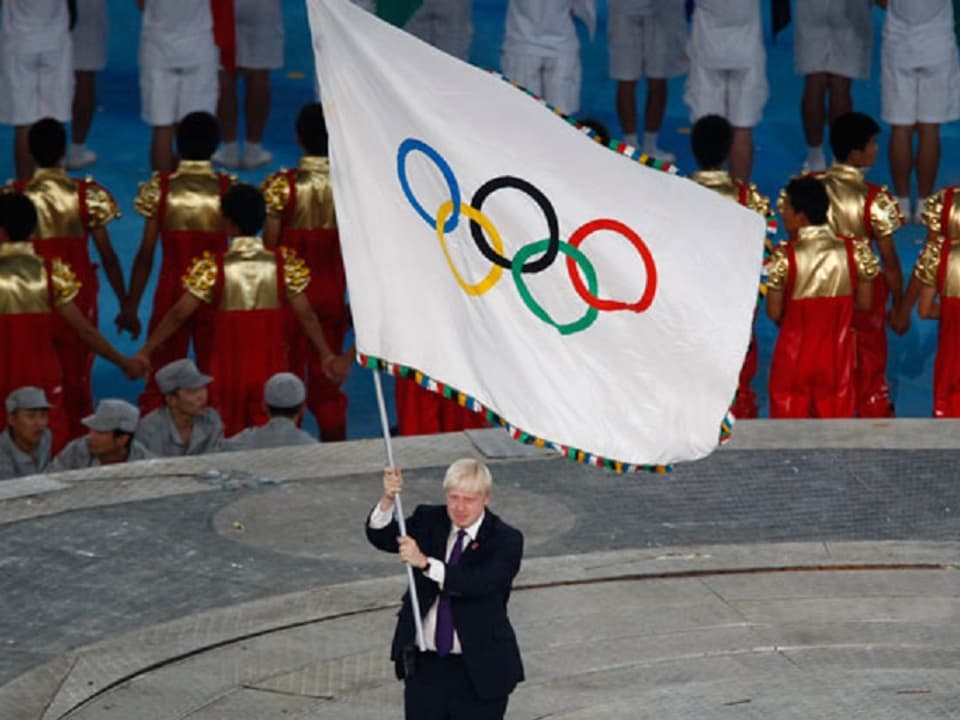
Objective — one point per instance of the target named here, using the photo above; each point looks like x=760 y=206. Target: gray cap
x=27 y=397
x=284 y=390
x=180 y=374
x=113 y=415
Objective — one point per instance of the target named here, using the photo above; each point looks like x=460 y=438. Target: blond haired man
x=465 y=559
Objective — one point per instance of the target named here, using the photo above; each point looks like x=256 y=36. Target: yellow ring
x=471 y=212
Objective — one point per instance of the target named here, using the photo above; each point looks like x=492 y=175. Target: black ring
x=553 y=225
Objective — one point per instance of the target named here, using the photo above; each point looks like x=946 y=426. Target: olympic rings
x=553 y=225
x=573 y=255
x=475 y=216
x=589 y=297
x=481 y=227
x=408 y=146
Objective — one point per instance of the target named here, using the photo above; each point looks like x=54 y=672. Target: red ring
x=649 y=291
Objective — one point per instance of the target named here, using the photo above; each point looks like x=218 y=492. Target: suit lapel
x=484 y=533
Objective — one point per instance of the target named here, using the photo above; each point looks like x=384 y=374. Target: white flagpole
x=398 y=507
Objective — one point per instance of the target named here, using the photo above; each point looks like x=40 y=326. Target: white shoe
x=227 y=156
x=917 y=218
x=903 y=204
x=256 y=156
x=79 y=158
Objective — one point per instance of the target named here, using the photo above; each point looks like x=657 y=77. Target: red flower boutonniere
x=474 y=545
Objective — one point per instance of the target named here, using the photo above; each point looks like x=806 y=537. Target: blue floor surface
x=122 y=141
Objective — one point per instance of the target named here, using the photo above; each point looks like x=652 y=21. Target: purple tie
x=444 y=636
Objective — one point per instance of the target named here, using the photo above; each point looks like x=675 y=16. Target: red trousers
x=249 y=346
x=870 y=376
x=811 y=374
x=75 y=358
x=29 y=359
x=421 y=412
x=320 y=250
x=946 y=365
x=180 y=249
x=745 y=404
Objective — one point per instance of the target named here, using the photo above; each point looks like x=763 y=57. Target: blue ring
x=408 y=146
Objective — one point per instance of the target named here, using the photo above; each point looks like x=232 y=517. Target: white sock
x=650 y=142
x=815 y=156
x=76 y=148
x=630 y=139
x=252 y=147
x=904 y=204
x=228 y=147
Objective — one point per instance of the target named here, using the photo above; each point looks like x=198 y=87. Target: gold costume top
x=313 y=207
x=24 y=282
x=928 y=265
x=250 y=276
x=822 y=269
x=722 y=182
x=933 y=214
x=848 y=192
x=193 y=197
x=56 y=196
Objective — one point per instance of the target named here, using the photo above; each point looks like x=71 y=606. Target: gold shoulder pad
x=276 y=193
x=933 y=213
x=65 y=282
x=868 y=264
x=148 y=197
x=101 y=207
x=885 y=217
x=928 y=262
x=757 y=201
x=777 y=268
x=200 y=279
x=296 y=274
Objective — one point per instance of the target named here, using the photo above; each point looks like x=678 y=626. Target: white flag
x=600 y=305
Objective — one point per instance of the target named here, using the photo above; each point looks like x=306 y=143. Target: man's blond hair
x=468 y=475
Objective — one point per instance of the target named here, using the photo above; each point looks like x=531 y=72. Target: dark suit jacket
x=479 y=587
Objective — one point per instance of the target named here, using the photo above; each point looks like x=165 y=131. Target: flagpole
x=401 y=521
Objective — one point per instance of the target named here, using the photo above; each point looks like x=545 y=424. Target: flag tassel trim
x=519 y=434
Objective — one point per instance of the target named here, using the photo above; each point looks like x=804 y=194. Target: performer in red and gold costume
x=68 y=212
x=301 y=217
x=248 y=288
x=861 y=209
x=710 y=140
x=34 y=294
x=938 y=272
x=816 y=280
x=182 y=210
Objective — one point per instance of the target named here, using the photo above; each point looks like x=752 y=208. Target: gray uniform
x=76 y=456
x=159 y=435
x=14 y=462
x=278 y=432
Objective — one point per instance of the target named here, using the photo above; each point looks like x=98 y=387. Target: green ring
x=516 y=269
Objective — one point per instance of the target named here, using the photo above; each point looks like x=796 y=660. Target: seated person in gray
x=283 y=395
x=186 y=425
x=109 y=441
x=25 y=444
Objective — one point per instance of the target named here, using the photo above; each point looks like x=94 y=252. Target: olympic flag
x=600 y=305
